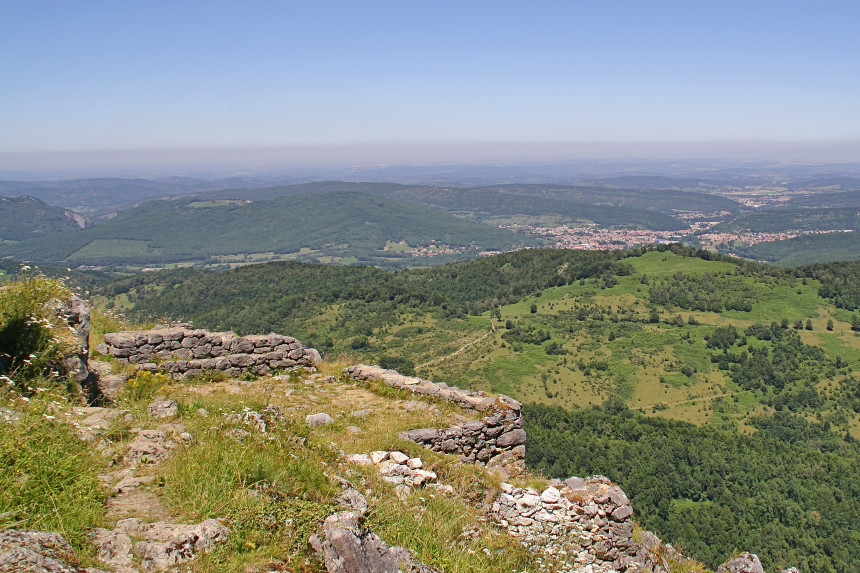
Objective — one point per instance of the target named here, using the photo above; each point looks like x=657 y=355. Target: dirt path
x=459 y=350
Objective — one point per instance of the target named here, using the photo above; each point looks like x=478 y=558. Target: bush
x=144 y=385
x=32 y=339
x=403 y=365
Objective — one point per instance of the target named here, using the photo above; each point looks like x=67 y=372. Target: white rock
x=320 y=419
x=360 y=459
x=378 y=456
x=550 y=495
x=507 y=488
x=429 y=475
x=398 y=457
x=530 y=500
x=544 y=515
x=402 y=491
x=447 y=489
x=415 y=463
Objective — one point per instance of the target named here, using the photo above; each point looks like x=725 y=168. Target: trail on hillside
x=459 y=350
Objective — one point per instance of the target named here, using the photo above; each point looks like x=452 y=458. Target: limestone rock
x=167 y=544
x=320 y=419
x=149 y=447
x=743 y=563
x=163 y=409
x=347 y=548
x=29 y=551
x=353 y=500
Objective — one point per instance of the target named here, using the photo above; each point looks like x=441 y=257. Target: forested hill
x=666 y=199
x=806 y=250
x=784 y=220
x=26 y=217
x=343 y=227
x=624 y=208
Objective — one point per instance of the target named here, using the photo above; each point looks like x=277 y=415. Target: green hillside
x=780 y=220
x=699 y=382
x=830 y=199
x=564 y=204
x=547 y=326
x=25 y=217
x=806 y=250
x=667 y=199
x=340 y=227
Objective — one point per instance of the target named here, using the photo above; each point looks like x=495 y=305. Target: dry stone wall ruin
x=496 y=440
x=580 y=522
x=187 y=352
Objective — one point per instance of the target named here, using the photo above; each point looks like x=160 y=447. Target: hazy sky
x=111 y=75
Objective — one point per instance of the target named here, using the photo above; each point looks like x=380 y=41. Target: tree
x=533 y=309
x=808 y=324
x=855 y=322
x=829 y=324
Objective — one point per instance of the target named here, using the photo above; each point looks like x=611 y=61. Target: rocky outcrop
x=28 y=551
x=497 y=440
x=345 y=547
x=743 y=563
x=160 y=545
x=76 y=314
x=186 y=352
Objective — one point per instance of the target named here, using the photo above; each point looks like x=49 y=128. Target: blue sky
x=113 y=75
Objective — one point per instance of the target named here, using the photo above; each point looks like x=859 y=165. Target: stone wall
x=186 y=352
x=497 y=440
x=587 y=521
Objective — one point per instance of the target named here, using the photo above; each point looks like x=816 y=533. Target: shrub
x=144 y=385
x=32 y=339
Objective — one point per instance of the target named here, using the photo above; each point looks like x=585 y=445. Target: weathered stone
x=163 y=409
x=513 y=438
x=149 y=447
x=242 y=345
x=113 y=547
x=575 y=483
x=348 y=548
x=550 y=495
x=320 y=419
x=360 y=459
x=743 y=563
x=241 y=360
x=29 y=551
x=168 y=544
x=622 y=513
x=353 y=500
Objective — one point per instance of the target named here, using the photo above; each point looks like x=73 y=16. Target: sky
x=186 y=76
